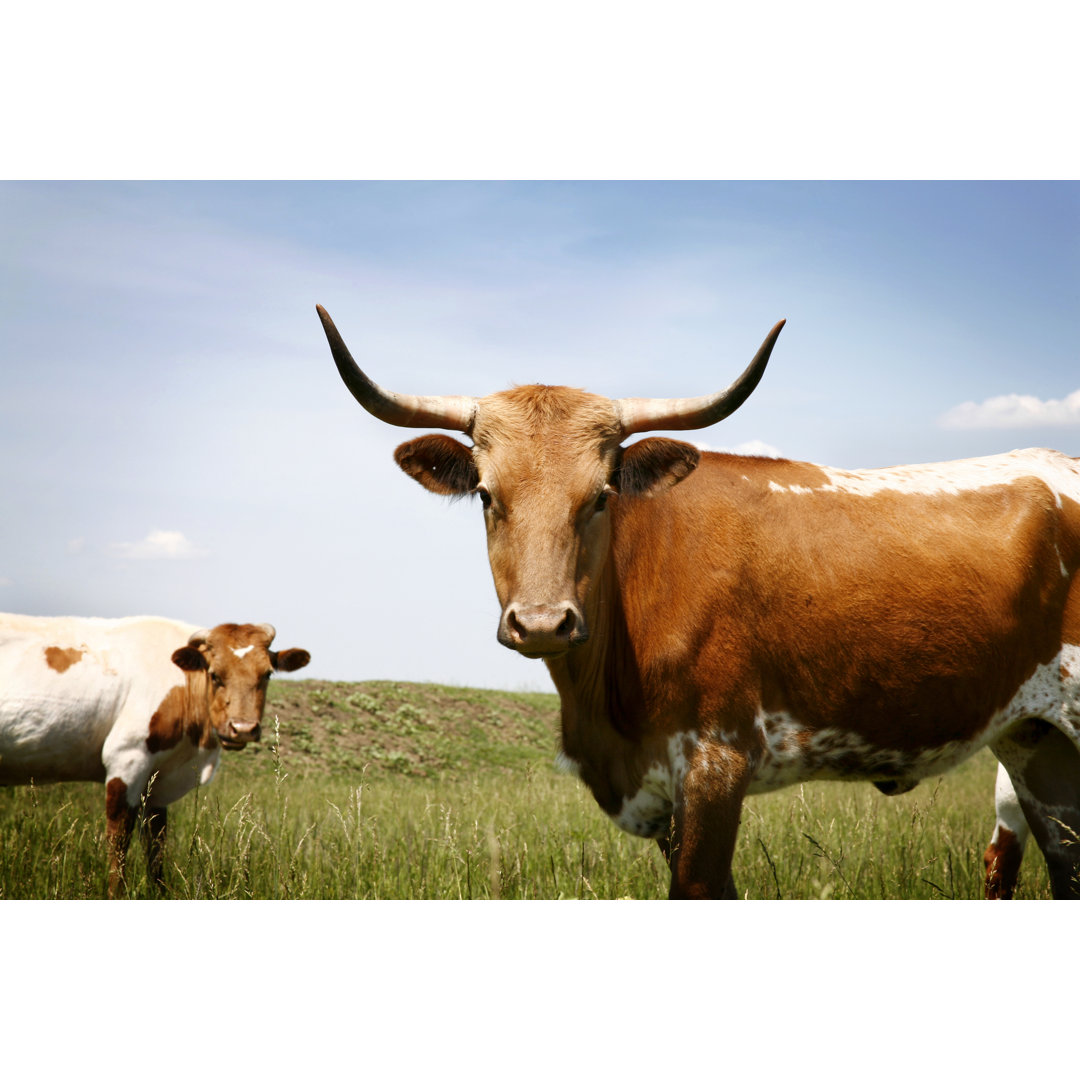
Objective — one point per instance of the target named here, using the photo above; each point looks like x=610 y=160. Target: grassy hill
x=418 y=730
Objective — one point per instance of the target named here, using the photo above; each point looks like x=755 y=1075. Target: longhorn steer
x=718 y=626
x=142 y=704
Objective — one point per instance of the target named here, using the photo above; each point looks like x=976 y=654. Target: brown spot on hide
x=61 y=659
x=183 y=711
x=167 y=723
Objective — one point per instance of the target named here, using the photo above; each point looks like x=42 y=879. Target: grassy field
x=404 y=791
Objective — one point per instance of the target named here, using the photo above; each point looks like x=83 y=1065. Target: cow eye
x=485 y=496
x=601 y=500
x=216 y=679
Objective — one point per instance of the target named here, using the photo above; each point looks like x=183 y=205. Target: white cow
x=142 y=704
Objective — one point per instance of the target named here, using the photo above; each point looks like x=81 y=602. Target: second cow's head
x=238 y=663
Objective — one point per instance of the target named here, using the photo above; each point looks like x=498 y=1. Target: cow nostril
x=513 y=623
x=566 y=627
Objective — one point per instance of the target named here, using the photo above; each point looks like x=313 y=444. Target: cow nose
x=542 y=629
x=243 y=730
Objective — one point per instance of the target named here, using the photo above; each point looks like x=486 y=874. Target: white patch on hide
x=1058 y=472
x=648 y=811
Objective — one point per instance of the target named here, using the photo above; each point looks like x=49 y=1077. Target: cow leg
x=706 y=822
x=156 y=825
x=1005 y=851
x=1044 y=768
x=664 y=844
x=119 y=825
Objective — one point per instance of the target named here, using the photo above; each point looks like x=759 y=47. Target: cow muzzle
x=542 y=630
x=238 y=733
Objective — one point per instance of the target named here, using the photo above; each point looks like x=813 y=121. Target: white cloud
x=5 y=581
x=76 y=546
x=1014 y=411
x=159 y=544
x=753 y=448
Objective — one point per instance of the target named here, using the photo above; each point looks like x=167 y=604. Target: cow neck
x=598 y=682
x=197 y=709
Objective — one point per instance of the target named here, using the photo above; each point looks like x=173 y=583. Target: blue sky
x=174 y=438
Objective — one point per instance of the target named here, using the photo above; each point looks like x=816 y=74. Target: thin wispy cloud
x=159 y=544
x=1014 y=411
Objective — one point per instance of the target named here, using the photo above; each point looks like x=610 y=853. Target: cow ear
x=440 y=463
x=290 y=659
x=188 y=658
x=653 y=465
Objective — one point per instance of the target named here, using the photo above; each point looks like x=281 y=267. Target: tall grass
x=533 y=834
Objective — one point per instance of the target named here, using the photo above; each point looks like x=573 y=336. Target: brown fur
x=731 y=624
x=440 y=463
x=183 y=712
x=699 y=594
x=61 y=659
x=167 y=722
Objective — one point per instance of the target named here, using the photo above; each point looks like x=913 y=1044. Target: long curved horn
x=403 y=410
x=682 y=414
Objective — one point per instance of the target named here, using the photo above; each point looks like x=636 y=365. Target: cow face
x=545 y=462
x=237 y=662
x=546 y=465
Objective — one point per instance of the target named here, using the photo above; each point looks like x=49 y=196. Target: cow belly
x=48 y=742
x=794 y=754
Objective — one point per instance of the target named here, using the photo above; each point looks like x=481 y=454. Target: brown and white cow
x=142 y=704
x=718 y=626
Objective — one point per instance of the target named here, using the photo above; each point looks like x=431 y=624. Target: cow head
x=544 y=463
x=238 y=662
